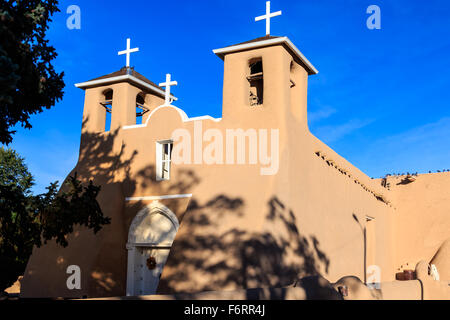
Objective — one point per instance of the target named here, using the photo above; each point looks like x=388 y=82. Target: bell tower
x=267 y=73
x=121 y=98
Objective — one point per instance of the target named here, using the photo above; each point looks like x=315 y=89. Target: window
x=163 y=160
x=256 y=81
x=107 y=104
x=141 y=108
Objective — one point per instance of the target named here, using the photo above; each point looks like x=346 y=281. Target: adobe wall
x=329 y=192
x=240 y=229
x=422 y=221
x=102 y=269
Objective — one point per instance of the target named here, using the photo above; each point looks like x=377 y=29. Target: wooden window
x=163 y=160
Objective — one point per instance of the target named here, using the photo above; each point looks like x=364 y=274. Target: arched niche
x=150 y=236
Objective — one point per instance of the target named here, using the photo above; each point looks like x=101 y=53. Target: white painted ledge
x=156 y=198
x=263 y=43
x=182 y=114
x=127 y=77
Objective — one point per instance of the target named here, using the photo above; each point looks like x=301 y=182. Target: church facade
x=251 y=200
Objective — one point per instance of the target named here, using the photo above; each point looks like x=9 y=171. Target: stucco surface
x=241 y=229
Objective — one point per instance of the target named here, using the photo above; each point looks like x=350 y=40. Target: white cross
x=128 y=51
x=168 y=84
x=267 y=17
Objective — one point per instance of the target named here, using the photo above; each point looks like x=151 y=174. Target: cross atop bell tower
x=169 y=83
x=267 y=17
x=128 y=51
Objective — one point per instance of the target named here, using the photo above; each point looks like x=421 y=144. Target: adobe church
x=277 y=206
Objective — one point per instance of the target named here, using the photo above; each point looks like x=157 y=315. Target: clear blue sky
x=381 y=98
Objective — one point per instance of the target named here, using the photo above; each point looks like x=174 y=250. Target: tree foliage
x=13 y=171
x=27 y=220
x=28 y=81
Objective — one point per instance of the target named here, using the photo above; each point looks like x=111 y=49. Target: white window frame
x=160 y=161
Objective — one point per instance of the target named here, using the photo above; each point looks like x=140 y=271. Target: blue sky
x=381 y=98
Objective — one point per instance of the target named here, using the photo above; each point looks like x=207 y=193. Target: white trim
x=253 y=45
x=129 y=77
x=153 y=208
x=130 y=269
x=156 y=198
x=135 y=126
x=163 y=245
x=201 y=118
x=160 y=161
x=159 y=155
x=183 y=115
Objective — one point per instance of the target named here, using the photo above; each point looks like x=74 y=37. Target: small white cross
x=128 y=51
x=168 y=84
x=267 y=17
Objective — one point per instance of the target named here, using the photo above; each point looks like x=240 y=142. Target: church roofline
x=183 y=115
x=268 y=41
x=125 y=77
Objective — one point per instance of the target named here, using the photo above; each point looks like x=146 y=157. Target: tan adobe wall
x=422 y=221
x=240 y=229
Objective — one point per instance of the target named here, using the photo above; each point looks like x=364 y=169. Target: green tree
x=27 y=220
x=28 y=81
x=13 y=171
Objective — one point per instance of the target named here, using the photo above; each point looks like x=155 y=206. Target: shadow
x=102 y=159
x=318 y=288
x=106 y=159
x=208 y=255
x=405 y=181
x=364 y=232
x=216 y=247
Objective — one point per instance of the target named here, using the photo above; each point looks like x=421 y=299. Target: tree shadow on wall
x=208 y=256
x=104 y=159
x=107 y=160
x=182 y=181
x=101 y=158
